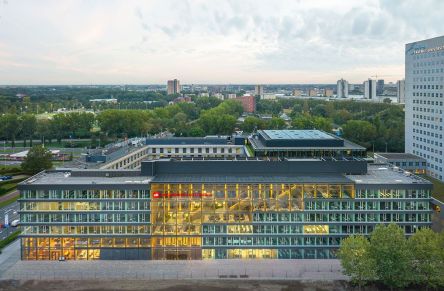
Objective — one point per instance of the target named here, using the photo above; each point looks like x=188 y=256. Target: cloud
x=227 y=41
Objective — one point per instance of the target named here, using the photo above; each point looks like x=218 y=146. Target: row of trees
x=28 y=127
x=373 y=125
x=378 y=125
x=389 y=258
x=204 y=116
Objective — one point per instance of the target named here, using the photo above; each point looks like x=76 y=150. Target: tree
x=11 y=126
x=44 y=130
x=309 y=122
x=322 y=124
x=356 y=259
x=360 y=131
x=251 y=123
x=276 y=123
x=38 y=159
x=427 y=250
x=302 y=122
x=29 y=126
x=388 y=248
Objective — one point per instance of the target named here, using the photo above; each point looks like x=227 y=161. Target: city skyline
x=248 y=42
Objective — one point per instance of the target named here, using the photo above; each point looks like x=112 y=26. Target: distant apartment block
x=173 y=87
x=380 y=87
x=400 y=91
x=370 y=89
x=424 y=89
x=231 y=96
x=328 y=92
x=258 y=90
x=268 y=96
x=312 y=93
x=342 y=88
x=297 y=92
x=248 y=103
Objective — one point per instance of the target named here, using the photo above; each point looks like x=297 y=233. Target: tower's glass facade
x=211 y=220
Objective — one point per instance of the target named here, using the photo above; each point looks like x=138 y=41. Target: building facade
x=297 y=92
x=370 y=89
x=342 y=89
x=183 y=210
x=176 y=147
x=328 y=92
x=258 y=90
x=400 y=91
x=312 y=93
x=248 y=103
x=380 y=87
x=281 y=144
x=409 y=162
x=173 y=87
x=424 y=89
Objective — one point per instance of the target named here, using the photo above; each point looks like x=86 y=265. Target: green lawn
x=9 y=239
x=9 y=201
x=10 y=170
x=9 y=186
x=438 y=187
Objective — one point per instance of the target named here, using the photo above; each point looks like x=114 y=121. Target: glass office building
x=215 y=209
x=303 y=144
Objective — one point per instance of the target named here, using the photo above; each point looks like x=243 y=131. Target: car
x=4 y=178
x=15 y=223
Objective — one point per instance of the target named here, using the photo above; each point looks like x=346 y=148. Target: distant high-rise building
x=297 y=92
x=400 y=91
x=173 y=87
x=248 y=103
x=370 y=89
x=380 y=87
x=342 y=88
x=312 y=93
x=424 y=90
x=258 y=90
x=328 y=92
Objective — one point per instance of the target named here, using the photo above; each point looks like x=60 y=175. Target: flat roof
x=246 y=178
x=66 y=178
x=258 y=145
x=295 y=134
x=400 y=156
x=210 y=140
x=381 y=174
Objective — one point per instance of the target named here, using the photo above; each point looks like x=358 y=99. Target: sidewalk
x=318 y=270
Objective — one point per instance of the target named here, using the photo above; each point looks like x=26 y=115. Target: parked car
x=4 y=178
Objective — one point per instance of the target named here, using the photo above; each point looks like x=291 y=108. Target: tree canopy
x=38 y=159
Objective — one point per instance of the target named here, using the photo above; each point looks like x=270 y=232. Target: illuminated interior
x=182 y=222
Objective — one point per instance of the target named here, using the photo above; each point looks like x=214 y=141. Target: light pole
x=4 y=151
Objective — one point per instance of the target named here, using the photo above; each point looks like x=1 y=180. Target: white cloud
x=198 y=41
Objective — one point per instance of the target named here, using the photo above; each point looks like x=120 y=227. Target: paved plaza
x=11 y=267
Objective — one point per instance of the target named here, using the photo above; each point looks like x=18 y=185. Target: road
x=10 y=209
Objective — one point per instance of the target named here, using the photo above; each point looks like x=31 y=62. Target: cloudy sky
x=207 y=41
